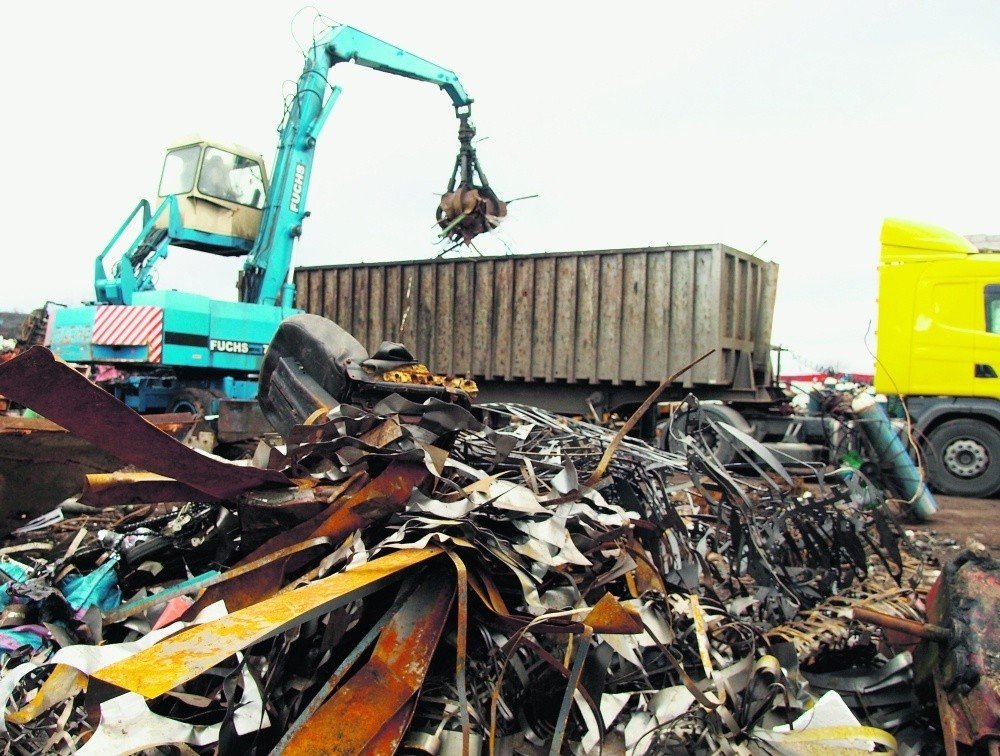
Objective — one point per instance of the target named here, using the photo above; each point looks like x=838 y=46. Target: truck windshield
x=993 y=308
x=179 y=168
x=231 y=177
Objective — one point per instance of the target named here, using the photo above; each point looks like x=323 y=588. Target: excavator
x=178 y=351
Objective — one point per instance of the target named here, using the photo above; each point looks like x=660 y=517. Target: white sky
x=638 y=124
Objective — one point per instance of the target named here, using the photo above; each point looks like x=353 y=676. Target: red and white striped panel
x=130 y=325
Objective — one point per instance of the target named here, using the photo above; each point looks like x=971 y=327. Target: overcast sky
x=799 y=123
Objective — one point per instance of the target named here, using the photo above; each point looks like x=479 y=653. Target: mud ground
x=960 y=519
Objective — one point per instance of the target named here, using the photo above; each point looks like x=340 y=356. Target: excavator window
x=179 y=168
x=231 y=177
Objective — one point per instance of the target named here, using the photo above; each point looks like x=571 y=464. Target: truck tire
x=713 y=441
x=197 y=401
x=963 y=458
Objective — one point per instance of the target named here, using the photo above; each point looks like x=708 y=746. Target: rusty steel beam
x=182 y=657
x=376 y=703
x=53 y=389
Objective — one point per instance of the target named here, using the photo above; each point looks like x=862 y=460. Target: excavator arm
x=265 y=275
x=346 y=44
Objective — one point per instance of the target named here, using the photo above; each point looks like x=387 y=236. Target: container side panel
x=423 y=322
x=410 y=304
x=741 y=284
x=503 y=316
x=360 y=307
x=633 y=350
x=752 y=301
x=655 y=367
x=444 y=316
x=345 y=299
x=610 y=319
x=543 y=319
x=377 y=332
x=679 y=343
x=728 y=294
x=524 y=287
x=463 y=346
x=565 y=319
x=329 y=307
x=763 y=317
x=393 y=303
x=482 y=319
x=707 y=314
x=308 y=290
x=588 y=311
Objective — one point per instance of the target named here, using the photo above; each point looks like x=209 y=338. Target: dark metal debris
x=423 y=575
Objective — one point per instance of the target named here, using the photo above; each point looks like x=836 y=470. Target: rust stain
x=610 y=617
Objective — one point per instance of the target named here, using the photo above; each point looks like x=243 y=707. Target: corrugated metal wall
x=618 y=316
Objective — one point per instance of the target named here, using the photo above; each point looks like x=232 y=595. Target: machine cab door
x=220 y=191
x=987 y=365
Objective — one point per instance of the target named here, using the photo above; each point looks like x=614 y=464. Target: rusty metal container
x=524 y=326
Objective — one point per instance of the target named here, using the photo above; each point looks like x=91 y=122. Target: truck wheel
x=963 y=458
x=194 y=400
x=709 y=438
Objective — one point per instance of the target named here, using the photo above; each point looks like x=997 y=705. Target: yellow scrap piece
x=63 y=682
x=99 y=481
x=830 y=740
x=419 y=374
x=182 y=657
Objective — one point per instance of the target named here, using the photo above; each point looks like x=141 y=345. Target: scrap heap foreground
x=430 y=576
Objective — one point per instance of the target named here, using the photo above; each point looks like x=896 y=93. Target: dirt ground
x=960 y=519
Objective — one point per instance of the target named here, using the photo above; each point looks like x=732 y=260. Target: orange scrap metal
x=376 y=702
x=182 y=657
x=380 y=497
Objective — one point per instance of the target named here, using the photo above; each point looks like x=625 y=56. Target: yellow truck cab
x=939 y=349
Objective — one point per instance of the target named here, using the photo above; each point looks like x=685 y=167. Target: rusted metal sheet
x=617 y=317
x=240 y=420
x=367 y=707
x=55 y=390
x=42 y=464
x=177 y=659
x=384 y=495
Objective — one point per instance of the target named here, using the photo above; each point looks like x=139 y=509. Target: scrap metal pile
x=417 y=576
